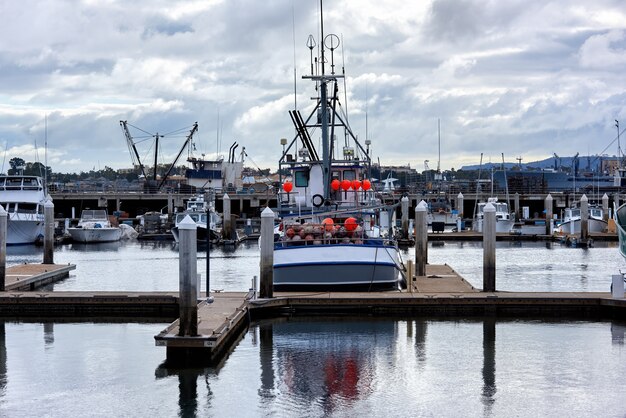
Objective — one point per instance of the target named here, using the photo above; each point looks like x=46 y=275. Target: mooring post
x=226 y=217
x=548 y=205
x=188 y=277
x=267 y=254
x=605 y=207
x=584 y=217
x=489 y=248
x=516 y=204
x=48 y=232
x=421 y=239
x=3 y=247
x=404 y=204
x=459 y=207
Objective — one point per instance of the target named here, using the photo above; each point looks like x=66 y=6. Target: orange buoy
x=335 y=184
x=356 y=185
x=346 y=184
x=288 y=186
x=350 y=224
x=366 y=184
x=328 y=224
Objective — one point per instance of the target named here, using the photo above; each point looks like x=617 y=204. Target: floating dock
x=31 y=276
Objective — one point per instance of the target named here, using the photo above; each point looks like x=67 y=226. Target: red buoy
x=335 y=184
x=288 y=186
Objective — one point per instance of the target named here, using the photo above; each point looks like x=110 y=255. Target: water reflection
x=188 y=401
x=48 y=334
x=489 y=364
x=3 y=360
x=329 y=364
x=421 y=332
x=95 y=247
x=618 y=333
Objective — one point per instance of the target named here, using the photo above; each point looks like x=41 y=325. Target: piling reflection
x=421 y=332
x=266 y=338
x=188 y=402
x=3 y=360
x=489 y=364
x=618 y=332
x=48 y=334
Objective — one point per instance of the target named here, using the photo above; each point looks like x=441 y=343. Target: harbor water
x=420 y=366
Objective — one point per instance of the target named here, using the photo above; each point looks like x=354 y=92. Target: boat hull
x=95 y=234
x=336 y=267
x=573 y=227
x=502 y=225
x=21 y=232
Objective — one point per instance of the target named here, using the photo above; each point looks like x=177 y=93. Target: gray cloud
x=526 y=79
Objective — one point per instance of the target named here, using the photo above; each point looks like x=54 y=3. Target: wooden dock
x=31 y=276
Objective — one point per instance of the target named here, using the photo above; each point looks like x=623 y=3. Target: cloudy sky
x=519 y=77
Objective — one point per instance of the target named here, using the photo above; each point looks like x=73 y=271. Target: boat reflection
x=95 y=247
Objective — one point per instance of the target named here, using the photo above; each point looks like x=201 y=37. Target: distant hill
x=586 y=163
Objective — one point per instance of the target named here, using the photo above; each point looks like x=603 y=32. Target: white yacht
x=23 y=198
x=204 y=215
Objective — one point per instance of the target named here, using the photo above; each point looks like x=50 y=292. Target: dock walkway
x=30 y=276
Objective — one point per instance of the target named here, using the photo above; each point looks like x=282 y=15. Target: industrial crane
x=134 y=154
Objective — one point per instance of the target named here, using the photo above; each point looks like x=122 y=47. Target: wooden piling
x=489 y=248
x=188 y=277
x=548 y=205
x=459 y=204
x=267 y=254
x=605 y=207
x=421 y=239
x=48 y=235
x=404 y=204
x=3 y=246
x=516 y=205
x=226 y=219
x=584 y=217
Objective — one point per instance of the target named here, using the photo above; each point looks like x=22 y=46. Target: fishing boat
x=504 y=219
x=23 y=198
x=202 y=213
x=572 y=220
x=336 y=232
x=94 y=226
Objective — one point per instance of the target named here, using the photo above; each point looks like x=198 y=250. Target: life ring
x=317 y=200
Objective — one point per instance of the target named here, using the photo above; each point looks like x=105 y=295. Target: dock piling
x=584 y=217
x=267 y=254
x=226 y=219
x=404 y=204
x=489 y=248
x=187 y=277
x=3 y=246
x=421 y=239
x=516 y=206
x=548 y=205
x=48 y=235
x=605 y=207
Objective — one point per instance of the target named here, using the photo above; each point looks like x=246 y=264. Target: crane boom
x=194 y=129
x=131 y=145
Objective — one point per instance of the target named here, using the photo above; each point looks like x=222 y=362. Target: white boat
x=336 y=233
x=23 y=198
x=199 y=210
x=572 y=219
x=504 y=219
x=94 y=226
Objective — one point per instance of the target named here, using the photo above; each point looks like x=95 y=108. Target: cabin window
x=27 y=207
x=14 y=184
x=301 y=178
x=349 y=175
x=335 y=175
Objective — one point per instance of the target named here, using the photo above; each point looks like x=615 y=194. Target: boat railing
x=329 y=233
